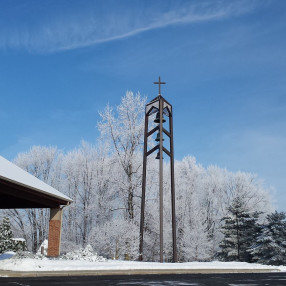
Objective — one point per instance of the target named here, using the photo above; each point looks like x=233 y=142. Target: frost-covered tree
x=193 y=242
x=214 y=202
x=87 y=172
x=124 y=132
x=116 y=239
x=83 y=163
x=7 y=242
x=6 y=235
x=271 y=244
x=5 y=229
x=240 y=232
x=104 y=181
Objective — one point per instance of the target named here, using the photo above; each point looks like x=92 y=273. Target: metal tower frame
x=160 y=106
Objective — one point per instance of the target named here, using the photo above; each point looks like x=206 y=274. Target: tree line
x=245 y=239
x=104 y=181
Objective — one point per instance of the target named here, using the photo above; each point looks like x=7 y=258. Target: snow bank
x=47 y=264
x=84 y=254
x=86 y=259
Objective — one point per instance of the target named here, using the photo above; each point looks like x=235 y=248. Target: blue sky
x=224 y=63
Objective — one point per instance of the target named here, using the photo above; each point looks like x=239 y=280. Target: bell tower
x=161 y=107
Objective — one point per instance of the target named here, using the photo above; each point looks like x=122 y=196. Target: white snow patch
x=45 y=245
x=18 y=239
x=84 y=254
x=46 y=264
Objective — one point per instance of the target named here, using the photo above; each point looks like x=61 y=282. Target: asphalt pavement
x=232 y=279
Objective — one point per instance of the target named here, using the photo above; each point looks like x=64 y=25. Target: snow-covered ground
x=7 y=262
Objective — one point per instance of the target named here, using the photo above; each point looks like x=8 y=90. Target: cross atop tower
x=159 y=83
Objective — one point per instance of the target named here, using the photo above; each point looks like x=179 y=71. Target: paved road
x=241 y=279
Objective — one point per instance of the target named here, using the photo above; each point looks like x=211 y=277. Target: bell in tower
x=157 y=119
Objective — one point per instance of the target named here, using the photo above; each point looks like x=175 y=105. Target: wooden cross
x=159 y=83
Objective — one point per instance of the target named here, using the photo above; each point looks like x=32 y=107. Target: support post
x=143 y=189
x=161 y=179
x=173 y=197
x=55 y=227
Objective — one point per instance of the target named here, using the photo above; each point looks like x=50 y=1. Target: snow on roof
x=11 y=172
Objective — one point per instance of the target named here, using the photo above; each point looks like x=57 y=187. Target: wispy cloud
x=88 y=27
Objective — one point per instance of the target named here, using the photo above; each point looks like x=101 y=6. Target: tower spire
x=159 y=83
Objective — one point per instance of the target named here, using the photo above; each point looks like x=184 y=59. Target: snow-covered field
x=7 y=262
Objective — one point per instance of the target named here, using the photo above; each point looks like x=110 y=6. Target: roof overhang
x=19 y=189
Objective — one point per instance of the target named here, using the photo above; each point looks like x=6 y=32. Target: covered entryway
x=19 y=190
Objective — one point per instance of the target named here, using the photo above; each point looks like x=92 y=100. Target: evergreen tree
x=252 y=231
x=271 y=244
x=240 y=230
x=6 y=235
